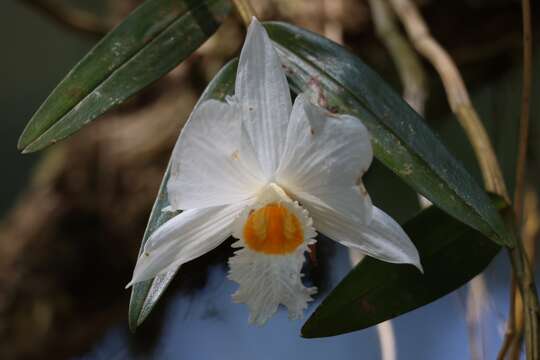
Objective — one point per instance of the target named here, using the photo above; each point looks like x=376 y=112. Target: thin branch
x=525 y=108
x=245 y=9
x=407 y=62
x=524 y=274
x=477 y=298
x=332 y=11
x=529 y=233
x=515 y=347
x=387 y=339
x=511 y=322
x=72 y=17
x=456 y=92
x=515 y=326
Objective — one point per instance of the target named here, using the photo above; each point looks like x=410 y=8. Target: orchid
x=272 y=175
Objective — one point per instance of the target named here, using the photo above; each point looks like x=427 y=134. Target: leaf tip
x=28 y=143
x=35 y=145
x=133 y=318
x=509 y=240
x=23 y=142
x=309 y=329
x=133 y=324
x=305 y=331
x=30 y=149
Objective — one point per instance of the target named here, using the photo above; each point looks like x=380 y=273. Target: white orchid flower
x=271 y=175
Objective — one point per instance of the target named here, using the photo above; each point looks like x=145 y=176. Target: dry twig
x=407 y=62
x=529 y=234
x=333 y=25
x=514 y=331
x=525 y=109
x=245 y=9
x=456 y=91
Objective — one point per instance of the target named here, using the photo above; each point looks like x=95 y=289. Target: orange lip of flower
x=273 y=230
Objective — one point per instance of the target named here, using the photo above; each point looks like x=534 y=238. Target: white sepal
x=262 y=92
x=324 y=157
x=185 y=237
x=383 y=238
x=208 y=166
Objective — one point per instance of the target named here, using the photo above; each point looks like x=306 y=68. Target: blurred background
x=72 y=217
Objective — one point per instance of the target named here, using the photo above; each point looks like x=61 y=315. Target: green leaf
x=401 y=140
x=144 y=295
x=150 y=42
x=452 y=253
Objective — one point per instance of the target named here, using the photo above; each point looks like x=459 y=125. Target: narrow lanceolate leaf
x=342 y=83
x=452 y=253
x=151 y=41
x=144 y=295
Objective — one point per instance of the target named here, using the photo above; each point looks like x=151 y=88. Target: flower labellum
x=270 y=174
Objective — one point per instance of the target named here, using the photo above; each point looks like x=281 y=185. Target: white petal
x=266 y=281
x=185 y=237
x=262 y=92
x=382 y=239
x=324 y=157
x=208 y=167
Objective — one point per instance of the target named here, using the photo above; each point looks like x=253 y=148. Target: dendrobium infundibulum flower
x=270 y=174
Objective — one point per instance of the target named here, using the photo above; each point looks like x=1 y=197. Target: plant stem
x=245 y=9
x=525 y=108
x=408 y=64
x=456 y=91
x=523 y=272
x=518 y=311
